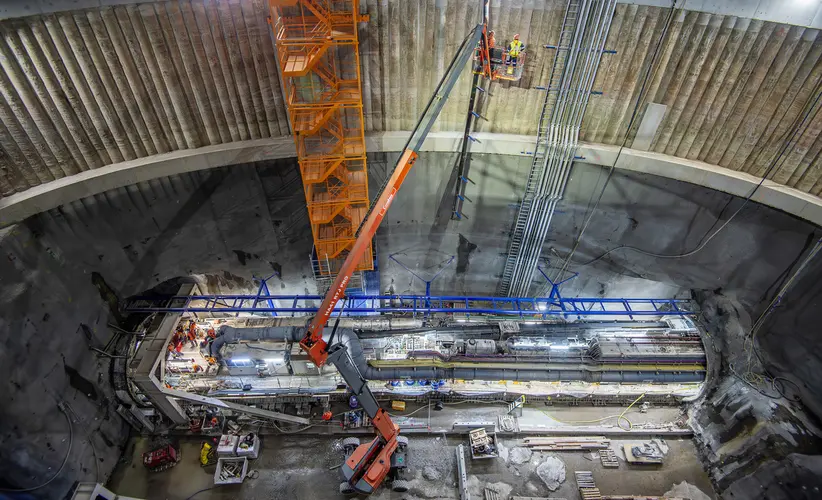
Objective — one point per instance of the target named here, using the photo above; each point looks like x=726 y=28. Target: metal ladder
x=539 y=162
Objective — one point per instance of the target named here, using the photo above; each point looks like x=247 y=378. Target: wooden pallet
x=587 y=486
x=491 y=494
x=585 y=479
x=590 y=494
x=608 y=458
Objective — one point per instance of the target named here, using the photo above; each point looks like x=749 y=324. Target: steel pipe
x=562 y=133
x=350 y=340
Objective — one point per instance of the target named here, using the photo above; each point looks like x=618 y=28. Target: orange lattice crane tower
x=318 y=55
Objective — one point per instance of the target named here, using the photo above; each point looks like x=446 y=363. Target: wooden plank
x=537 y=441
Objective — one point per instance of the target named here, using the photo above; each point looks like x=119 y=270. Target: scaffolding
x=318 y=56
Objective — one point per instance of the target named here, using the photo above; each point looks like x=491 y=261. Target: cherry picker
x=368 y=465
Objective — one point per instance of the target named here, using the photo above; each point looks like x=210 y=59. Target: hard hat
x=516 y=37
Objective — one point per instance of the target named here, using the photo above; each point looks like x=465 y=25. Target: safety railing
x=505 y=307
x=317 y=50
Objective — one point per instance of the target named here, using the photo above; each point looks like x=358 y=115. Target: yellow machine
x=208 y=455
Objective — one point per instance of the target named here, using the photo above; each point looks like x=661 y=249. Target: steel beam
x=521 y=307
x=462 y=476
x=248 y=410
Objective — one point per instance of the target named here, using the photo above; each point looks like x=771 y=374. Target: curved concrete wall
x=19 y=206
x=84 y=89
x=226 y=225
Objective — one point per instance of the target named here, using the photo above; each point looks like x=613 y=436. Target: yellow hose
x=619 y=417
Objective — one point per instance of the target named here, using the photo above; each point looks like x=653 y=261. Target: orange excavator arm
x=369 y=464
x=313 y=342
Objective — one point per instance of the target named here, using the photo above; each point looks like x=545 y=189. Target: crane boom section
x=313 y=342
x=316 y=346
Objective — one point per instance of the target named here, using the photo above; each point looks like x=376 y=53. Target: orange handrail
x=318 y=55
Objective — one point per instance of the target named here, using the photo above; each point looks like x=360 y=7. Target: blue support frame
x=511 y=307
x=263 y=291
x=427 y=282
x=555 y=286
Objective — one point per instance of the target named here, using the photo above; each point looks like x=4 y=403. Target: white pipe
x=577 y=81
x=530 y=202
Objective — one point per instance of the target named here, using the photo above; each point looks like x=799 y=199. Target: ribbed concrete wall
x=84 y=89
x=90 y=88
x=407 y=46
x=733 y=88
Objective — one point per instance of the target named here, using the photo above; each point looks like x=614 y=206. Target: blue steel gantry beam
x=514 y=307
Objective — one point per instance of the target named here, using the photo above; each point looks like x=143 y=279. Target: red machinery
x=161 y=458
x=493 y=62
x=367 y=465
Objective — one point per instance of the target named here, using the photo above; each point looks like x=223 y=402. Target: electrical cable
x=249 y=346
x=640 y=98
x=751 y=385
x=782 y=291
x=810 y=111
x=62 y=408
x=619 y=417
x=782 y=391
x=751 y=345
x=198 y=492
x=90 y=442
x=292 y=431
x=482 y=401
x=409 y=414
x=750 y=378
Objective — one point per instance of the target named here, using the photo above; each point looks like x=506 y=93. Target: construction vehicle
x=369 y=464
x=323 y=96
x=491 y=61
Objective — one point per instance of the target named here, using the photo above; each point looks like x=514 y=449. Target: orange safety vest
x=514 y=48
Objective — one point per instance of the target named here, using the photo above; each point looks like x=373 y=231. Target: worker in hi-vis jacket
x=514 y=49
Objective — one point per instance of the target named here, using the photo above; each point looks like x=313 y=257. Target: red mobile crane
x=368 y=465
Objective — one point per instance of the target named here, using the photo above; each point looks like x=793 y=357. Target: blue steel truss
x=299 y=305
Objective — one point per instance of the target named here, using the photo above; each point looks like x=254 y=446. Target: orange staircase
x=318 y=54
x=300 y=62
x=310 y=120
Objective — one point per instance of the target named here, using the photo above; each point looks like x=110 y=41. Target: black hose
x=62 y=408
